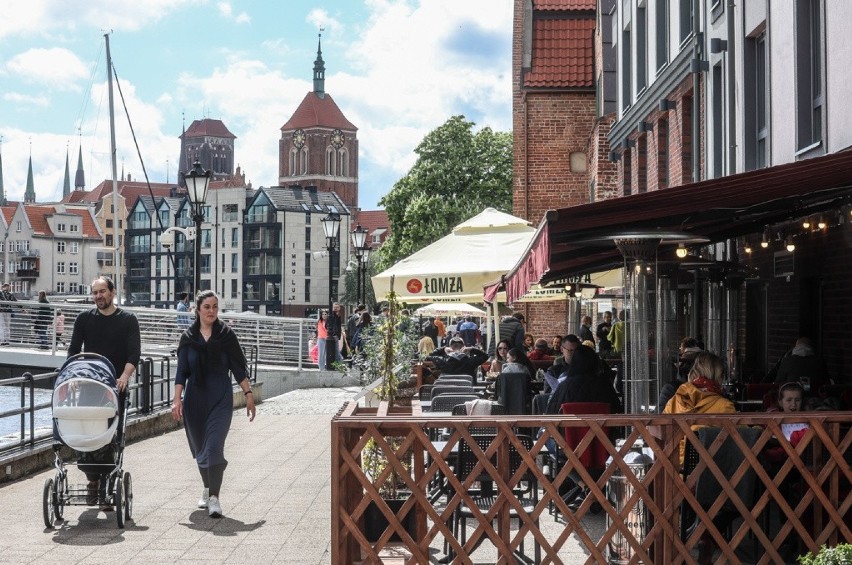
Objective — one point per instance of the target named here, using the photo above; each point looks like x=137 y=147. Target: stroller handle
x=90 y=355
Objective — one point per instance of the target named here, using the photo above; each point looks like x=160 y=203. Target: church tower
x=29 y=193
x=209 y=142
x=318 y=145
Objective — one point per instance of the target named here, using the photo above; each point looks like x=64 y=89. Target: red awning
x=579 y=238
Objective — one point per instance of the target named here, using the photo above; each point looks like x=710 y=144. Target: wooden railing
x=806 y=497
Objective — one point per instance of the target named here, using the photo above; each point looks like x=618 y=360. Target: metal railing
x=645 y=524
x=273 y=340
x=149 y=391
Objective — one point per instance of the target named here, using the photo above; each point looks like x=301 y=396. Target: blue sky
x=396 y=68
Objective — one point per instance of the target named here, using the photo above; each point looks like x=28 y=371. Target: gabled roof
x=374 y=220
x=315 y=111
x=562 y=53
x=291 y=198
x=9 y=211
x=208 y=126
x=129 y=190
x=37 y=217
x=90 y=228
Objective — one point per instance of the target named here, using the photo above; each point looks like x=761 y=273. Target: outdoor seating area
x=482 y=488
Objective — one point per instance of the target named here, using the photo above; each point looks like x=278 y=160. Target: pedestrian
x=42 y=320
x=208 y=351
x=183 y=319
x=6 y=313
x=59 y=326
x=114 y=333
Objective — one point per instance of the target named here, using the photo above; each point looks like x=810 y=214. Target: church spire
x=79 y=177
x=2 y=190
x=29 y=194
x=319 y=70
x=66 y=186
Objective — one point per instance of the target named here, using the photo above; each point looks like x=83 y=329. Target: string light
x=681 y=251
x=764 y=242
x=789 y=243
x=806 y=223
x=747 y=247
x=821 y=223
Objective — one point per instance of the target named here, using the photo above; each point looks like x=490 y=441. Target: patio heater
x=331 y=227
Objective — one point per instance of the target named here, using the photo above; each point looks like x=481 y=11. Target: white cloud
x=227 y=11
x=320 y=18
x=18 y=98
x=56 y=67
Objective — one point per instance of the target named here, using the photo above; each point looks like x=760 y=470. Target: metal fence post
x=145 y=390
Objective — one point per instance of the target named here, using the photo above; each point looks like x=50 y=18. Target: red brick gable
x=562 y=53
x=208 y=126
x=315 y=111
x=561 y=5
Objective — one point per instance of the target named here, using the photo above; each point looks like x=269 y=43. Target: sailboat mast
x=115 y=213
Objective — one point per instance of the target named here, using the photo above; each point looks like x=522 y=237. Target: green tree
x=458 y=174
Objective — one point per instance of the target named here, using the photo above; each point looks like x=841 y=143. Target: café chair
x=452 y=389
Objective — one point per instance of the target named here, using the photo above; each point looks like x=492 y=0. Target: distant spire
x=29 y=194
x=66 y=186
x=2 y=190
x=79 y=177
x=319 y=70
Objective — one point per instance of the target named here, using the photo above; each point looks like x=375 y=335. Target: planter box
x=375 y=523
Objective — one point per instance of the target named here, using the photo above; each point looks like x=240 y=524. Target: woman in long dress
x=208 y=352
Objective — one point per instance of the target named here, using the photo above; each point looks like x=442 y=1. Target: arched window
x=303 y=161
x=330 y=164
x=343 y=157
x=292 y=169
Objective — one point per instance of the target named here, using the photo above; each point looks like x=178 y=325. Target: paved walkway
x=276 y=499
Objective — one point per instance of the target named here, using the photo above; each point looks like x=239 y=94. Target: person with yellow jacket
x=702 y=393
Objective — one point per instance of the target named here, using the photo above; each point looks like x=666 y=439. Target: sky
x=396 y=68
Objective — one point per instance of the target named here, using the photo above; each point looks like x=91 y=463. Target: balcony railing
x=806 y=497
x=27 y=273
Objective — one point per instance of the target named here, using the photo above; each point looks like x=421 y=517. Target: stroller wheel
x=119 y=502
x=59 y=495
x=128 y=497
x=47 y=507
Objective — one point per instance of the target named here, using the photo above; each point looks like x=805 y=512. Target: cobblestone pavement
x=276 y=500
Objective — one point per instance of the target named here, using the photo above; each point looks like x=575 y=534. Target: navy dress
x=208 y=402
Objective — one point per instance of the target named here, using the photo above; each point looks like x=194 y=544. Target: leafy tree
x=458 y=174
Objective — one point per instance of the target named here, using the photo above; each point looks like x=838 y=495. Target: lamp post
x=359 y=238
x=197 y=181
x=331 y=227
x=365 y=259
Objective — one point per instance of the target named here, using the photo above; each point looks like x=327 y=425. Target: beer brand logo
x=414 y=286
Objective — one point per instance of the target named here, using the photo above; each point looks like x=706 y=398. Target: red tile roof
x=37 y=217
x=373 y=220
x=316 y=111
x=562 y=53
x=9 y=211
x=90 y=230
x=210 y=127
x=129 y=189
x=561 y=5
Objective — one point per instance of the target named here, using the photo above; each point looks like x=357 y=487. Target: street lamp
x=365 y=259
x=359 y=238
x=331 y=227
x=197 y=181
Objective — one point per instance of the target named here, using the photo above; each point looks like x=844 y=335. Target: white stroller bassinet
x=85 y=404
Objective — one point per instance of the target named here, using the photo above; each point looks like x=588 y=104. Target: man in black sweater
x=114 y=333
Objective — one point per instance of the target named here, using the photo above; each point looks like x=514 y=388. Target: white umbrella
x=449 y=309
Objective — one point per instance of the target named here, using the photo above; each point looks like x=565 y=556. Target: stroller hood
x=85 y=403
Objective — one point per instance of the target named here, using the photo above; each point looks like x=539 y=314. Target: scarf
x=208 y=353
x=707 y=385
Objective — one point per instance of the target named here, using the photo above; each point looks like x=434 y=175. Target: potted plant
x=838 y=555
x=387 y=355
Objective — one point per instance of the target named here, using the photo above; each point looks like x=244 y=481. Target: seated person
x=425 y=346
x=517 y=366
x=790 y=399
x=687 y=350
x=702 y=394
x=499 y=359
x=458 y=359
x=803 y=365
x=582 y=383
x=540 y=351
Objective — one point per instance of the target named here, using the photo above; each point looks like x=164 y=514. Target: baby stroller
x=89 y=418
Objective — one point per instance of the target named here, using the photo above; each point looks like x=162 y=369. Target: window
x=330 y=161
x=235 y=263
x=230 y=212
x=307 y=269
x=109 y=223
x=73 y=268
x=60 y=227
x=75 y=247
x=60 y=247
x=205 y=264
x=206 y=212
x=662 y=32
x=60 y=268
x=308 y=237
x=626 y=71
x=641 y=49
x=809 y=91
x=755 y=101
x=303 y=161
x=139 y=220
x=164 y=218
x=234 y=288
x=205 y=239
x=343 y=167
x=307 y=290
x=235 y=237
x=292 y=169
x=223 y=262
x=18 y=226
x=74 y=228
x=685 y=19
x=60 y=287
x=108 y=240
x=74 y=288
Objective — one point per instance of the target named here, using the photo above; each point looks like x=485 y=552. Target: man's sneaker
x=205 y=496
x=213 y=507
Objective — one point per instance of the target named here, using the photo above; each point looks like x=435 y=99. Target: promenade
x=276 y=500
